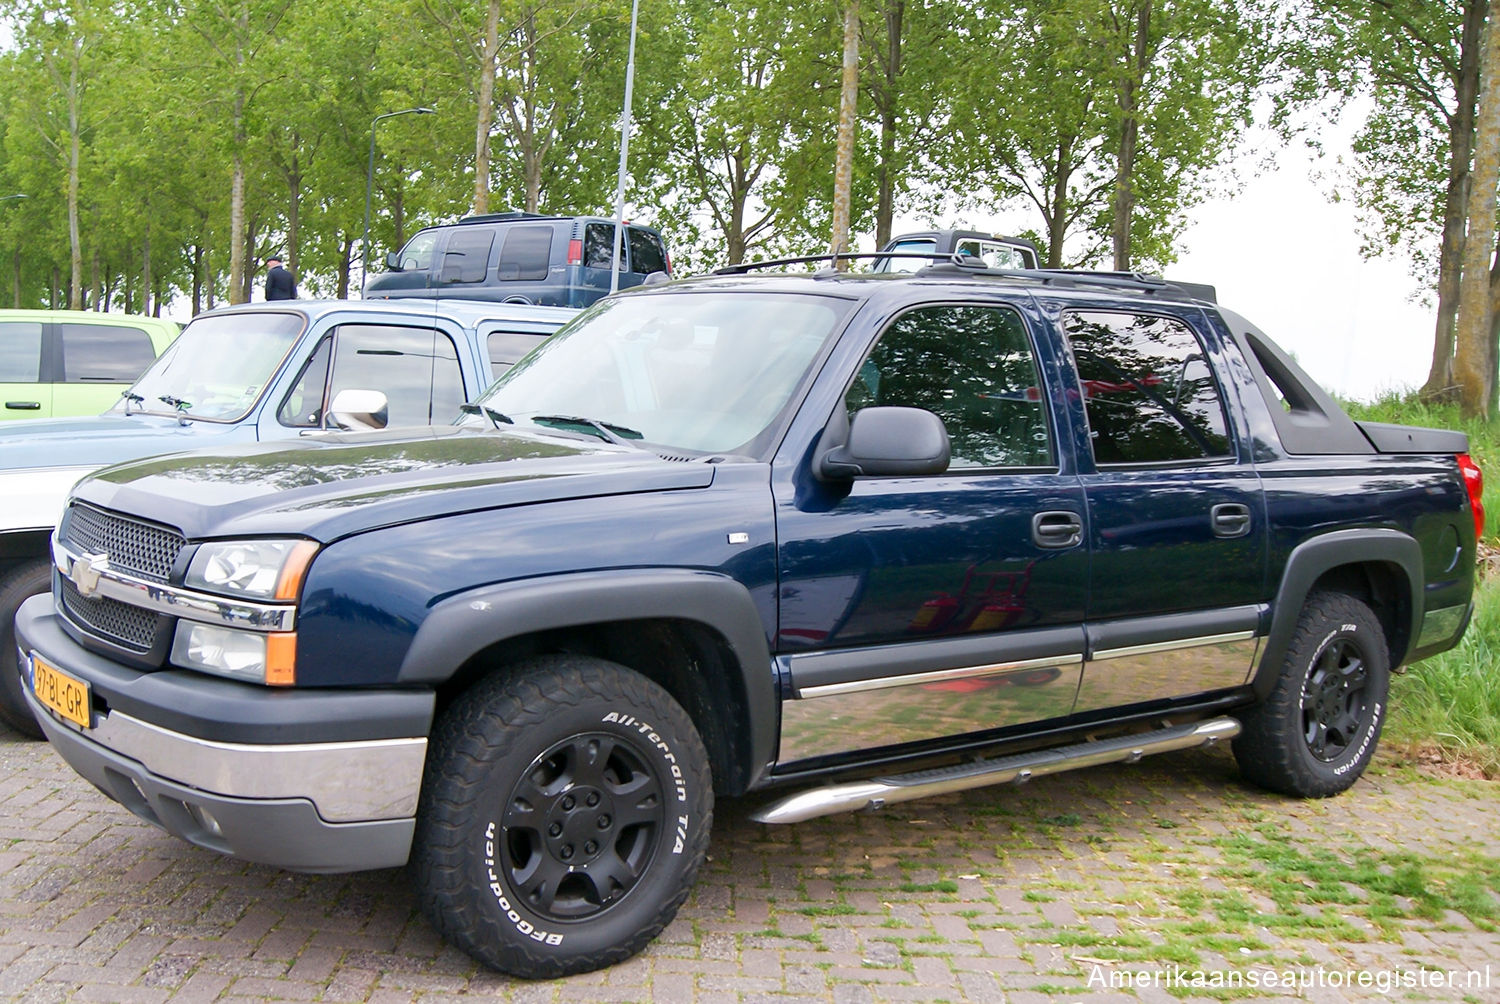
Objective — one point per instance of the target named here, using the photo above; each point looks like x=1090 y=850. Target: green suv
x=73 y=362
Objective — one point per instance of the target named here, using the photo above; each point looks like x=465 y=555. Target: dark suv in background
x=555 y=261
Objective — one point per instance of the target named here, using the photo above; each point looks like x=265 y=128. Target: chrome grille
x=142 y=548
x=119 y=622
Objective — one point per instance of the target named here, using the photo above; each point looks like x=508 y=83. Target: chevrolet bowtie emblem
x=85 y=572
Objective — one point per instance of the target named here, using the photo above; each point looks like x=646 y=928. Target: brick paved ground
x=1040 y=893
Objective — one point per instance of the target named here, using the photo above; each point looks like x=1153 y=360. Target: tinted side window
x=598 y=245
x=971 y=366
x=104 y=352
x=526 y=253
x=507 y=347
x=646 y=252
x=1148 y=390
x=415 y=368
x=468 y=254
x=20 y=351
x=303 y=407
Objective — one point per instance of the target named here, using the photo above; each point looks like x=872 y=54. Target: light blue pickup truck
x=245 y=374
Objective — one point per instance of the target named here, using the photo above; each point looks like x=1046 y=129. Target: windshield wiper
x=131 y=398
x=179 y=404
x=607 y=431
x=496 y=418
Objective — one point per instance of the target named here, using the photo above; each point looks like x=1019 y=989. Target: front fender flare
x=463 y=625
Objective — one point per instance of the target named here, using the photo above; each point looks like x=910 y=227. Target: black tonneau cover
x=1388 y=438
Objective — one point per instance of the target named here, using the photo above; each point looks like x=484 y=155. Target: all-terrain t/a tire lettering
x=1316 y=732
x=566 y=809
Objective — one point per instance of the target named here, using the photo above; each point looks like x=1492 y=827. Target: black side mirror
x=888 y=442
x=393 y=260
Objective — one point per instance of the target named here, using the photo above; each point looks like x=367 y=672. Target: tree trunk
x=197 y=279
x=885 y=172
x=485 y=119
x=1057 y=219
x=1460 y=151
x=75 y=247
x=843 y=169
x=1472 y=367
x=15 y=278
x=148 y=288
x=1137 y=59
x=95 y=288
x=294 y=202
x=237 y=278
x=346 y=254
x=54 y=295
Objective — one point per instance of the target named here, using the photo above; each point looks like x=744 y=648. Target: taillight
x=668 y=257
x=575 y=252
x=1474 y=485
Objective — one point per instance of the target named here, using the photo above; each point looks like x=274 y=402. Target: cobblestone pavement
x=1103 y=885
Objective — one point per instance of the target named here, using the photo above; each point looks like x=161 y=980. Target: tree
x=1420 y=65
x=1474 y=355
x=843 y=172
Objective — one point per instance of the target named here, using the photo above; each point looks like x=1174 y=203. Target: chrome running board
x=879 y=792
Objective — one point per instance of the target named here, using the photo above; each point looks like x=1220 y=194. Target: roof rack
x=955 y=264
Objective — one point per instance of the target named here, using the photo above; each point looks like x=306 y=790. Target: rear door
x=1176 y=514
x=98 y=361
x=22 y=348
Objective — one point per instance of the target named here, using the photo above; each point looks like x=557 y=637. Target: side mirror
x=393 y=261
x=889 y=442
x=359 y=410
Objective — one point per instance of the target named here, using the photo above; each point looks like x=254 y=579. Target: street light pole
x=6 y=198
x=614 y=277
x=364 y=243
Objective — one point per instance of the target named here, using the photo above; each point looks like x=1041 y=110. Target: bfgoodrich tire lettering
x=1316 y=732
x=565 y=810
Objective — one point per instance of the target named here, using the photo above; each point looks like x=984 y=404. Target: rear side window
x=971 y=366
x=1148 y=390
x=507 y=347
x=415 y=368
x=20 y=351
x=468 y=254
x=598 y=245
x=526 y=253
x=646 y=252
x=104 y=353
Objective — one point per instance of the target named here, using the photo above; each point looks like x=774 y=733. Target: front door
x=914 y=608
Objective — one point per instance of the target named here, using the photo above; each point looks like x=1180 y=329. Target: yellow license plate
x=60 y=692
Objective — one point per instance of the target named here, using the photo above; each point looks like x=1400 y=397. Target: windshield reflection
x=217 y=367
x=705 y=372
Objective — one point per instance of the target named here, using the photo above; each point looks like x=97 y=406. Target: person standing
x=280 y=284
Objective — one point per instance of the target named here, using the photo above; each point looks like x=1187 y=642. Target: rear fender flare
x=1310 y=560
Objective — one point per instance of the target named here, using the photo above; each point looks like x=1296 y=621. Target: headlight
x=268 y=569
x=253 y=656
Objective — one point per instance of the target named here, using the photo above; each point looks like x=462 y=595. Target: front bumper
x=322 y=806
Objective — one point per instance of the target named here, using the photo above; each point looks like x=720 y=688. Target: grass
x=1452 y=700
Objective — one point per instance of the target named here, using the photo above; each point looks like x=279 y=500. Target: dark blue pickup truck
x=860 y=538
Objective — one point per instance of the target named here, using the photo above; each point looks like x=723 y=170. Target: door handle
x=1056 y=529
x=24 y=405
x=1230 y=519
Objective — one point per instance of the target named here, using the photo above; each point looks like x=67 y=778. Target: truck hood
x=98 y=439
x=327 y=487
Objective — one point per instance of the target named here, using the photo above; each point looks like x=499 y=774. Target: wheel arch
x=1381 y=567
x=696 y=634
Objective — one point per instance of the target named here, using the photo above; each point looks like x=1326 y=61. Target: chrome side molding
x=879 y=792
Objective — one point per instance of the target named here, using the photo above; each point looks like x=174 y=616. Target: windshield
x=217 y=367
x=704 y=372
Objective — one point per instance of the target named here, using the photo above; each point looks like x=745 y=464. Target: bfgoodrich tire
x=1316 y=732
x=564 y=813
x=18 y=585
